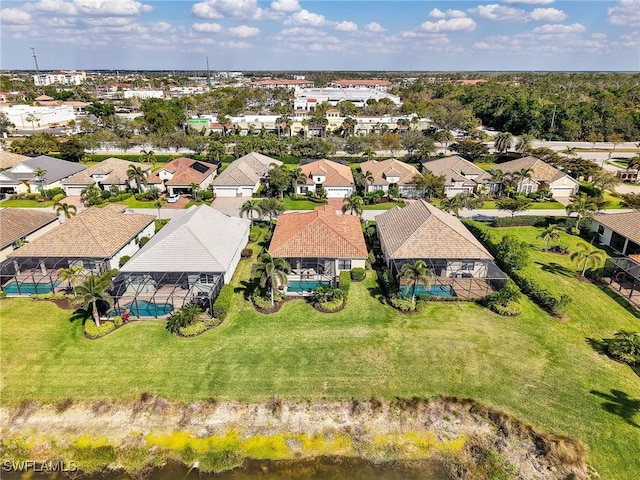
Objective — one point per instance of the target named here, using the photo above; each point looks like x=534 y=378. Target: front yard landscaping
x=543 y=371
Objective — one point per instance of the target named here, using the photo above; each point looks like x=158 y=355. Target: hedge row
x=344 y=282
x=223 y=303
x=92 y=331
x=544 y=298
x=532 y=221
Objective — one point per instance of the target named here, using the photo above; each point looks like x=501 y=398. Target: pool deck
x=464 y=288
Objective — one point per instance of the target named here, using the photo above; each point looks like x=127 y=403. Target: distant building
x=60 y=78
x=143 y=94
x=27 y=117
x=374 y=83
x=281 y=83
x=309 y=98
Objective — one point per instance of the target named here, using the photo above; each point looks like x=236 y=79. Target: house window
x=304 y=190
x=600 y=229
x=344 y=264
x=527 y=188
x=468 y=265
x=208 y=278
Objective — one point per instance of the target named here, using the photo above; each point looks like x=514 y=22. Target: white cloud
x=111 y=7
x=234 y=44
x=558 y=29
x=346 y=26
x=599 y=36
x=301 y=31
x=374 y=27
x=531 y=2
x=547 y=15
x=207 y=27
x=626 y=12
x=285 y=6
x=107 y=21
x=305 y=17
x=161 y=27
x=436 y=13
x=242 y=9
x=15 y=16
x=499 y=13
x=450 y=25
x=60 y=7
x=244 y=31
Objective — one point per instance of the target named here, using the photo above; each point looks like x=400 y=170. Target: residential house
x=620 y=231
x=19 y=226
x=543 y=176
x=107 y=175
x=10 y=159
x=335 y=178
x=391 y=173
x=243 y=176
x=22 y=178
x=461 y=265
x=318 y=245
x=460 y=175
x=187 y=261
x=94 y=240
x=179 y=174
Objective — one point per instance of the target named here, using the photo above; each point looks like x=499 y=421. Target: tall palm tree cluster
x=271 y=273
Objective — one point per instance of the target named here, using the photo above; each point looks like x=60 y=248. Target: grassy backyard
x=541 y=370
x=25 y=204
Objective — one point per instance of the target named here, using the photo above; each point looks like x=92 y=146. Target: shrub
x=106 y=194
x=58 y=197
x=159 y=223
x=118 y=321
x=152 y=194
x=34 y=196
x=246 y=253
x=254 y=234
x=511 y=309
x=358 y=274
x=330 y=306
x=590 y=190
x=260 y=301
x=124 y=259
x=223 y=303
x=625 y=346
x=344 y=282
x=631 y=200
x=143 y=241
x=50 y=296
x=3 y=294
x=512 y=253
x=561 y=249
x=196 y=328
x=388 y=283
x=523 y=221
x=92 y=331
x=403 y=304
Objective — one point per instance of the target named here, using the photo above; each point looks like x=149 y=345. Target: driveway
x=229 y=205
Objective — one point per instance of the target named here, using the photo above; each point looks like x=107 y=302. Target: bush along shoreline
x=464 y=437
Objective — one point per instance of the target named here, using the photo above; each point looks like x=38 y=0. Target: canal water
x=321 y=468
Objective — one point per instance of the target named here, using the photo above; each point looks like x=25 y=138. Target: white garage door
x=73 y=191
x=225 y=191
x=562 y=192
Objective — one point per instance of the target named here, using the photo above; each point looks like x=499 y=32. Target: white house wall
x=132 y=247
x=228 y=275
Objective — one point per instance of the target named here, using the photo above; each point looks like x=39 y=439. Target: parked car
x=173 y=198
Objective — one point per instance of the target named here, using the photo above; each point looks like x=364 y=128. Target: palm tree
x=498 y=178
x=520 y=176
x=272 y=272
x=148 y=156
x=452 y=205
x=32 y=119
x=68 y=210
x=413 y=274
x=71 y=275
x=503 y=142
x=570 y=152
x=583 y=207
x=40 y=175
x=93 y=290
x=586 y=256
x=444 y=137
x=605 y=180
x=158 y=204
x=194 y=190
x=136 y=175
x=249 y=207
x=368 y=179
x=353 y=204
x=369 y=152
x=297 y=178
x=524 y=143
x=348 y=125
x=552 y=232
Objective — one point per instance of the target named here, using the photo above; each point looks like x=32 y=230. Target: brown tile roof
x=94 y=233
x=362 y=83
x=10 y=159
x=336 y=174
x=420 y=230
x=320 y=233
x=626 y=224
x=16 y=223
x=541 y=171
x=391 y=166
x=115 y=168
x=185 y=171
x=456 y=169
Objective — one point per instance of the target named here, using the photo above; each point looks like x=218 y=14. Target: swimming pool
x=434 y=291
x=30 y=288
x=144 y=308
x=299 y=286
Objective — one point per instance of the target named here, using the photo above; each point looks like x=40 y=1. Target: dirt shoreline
x=449 y=429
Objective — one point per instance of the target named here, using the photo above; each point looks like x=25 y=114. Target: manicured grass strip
x=300 y=204
x=25 y=204
x=383 y=206
x=541 y=370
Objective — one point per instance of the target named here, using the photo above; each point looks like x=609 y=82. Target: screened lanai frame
x=160 y=288
x=311 y=269
x=625 y=273
x=29 y=275
x=483 y=278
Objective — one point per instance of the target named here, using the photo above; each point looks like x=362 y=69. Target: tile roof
x=336 y=174
x=316 y=234
x=245 y=171
x=114 y=168
x=10 y=159
x=201 y=240
x=420 y=230
x=626 y=224
x=16 y=223
x=456 y=169
x=185 y=172
x=541 y=171
x=94 y=233
x=391 y=166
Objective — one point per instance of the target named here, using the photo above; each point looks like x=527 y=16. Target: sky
x=413 y=35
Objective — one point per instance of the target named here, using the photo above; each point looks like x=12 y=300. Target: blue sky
x=322 y=35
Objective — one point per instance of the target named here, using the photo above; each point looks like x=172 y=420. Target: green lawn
x=614 y=202
x=535 y=367
x=300 y=204
x=131 y=202
x=383 y=206
x=25 y=204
